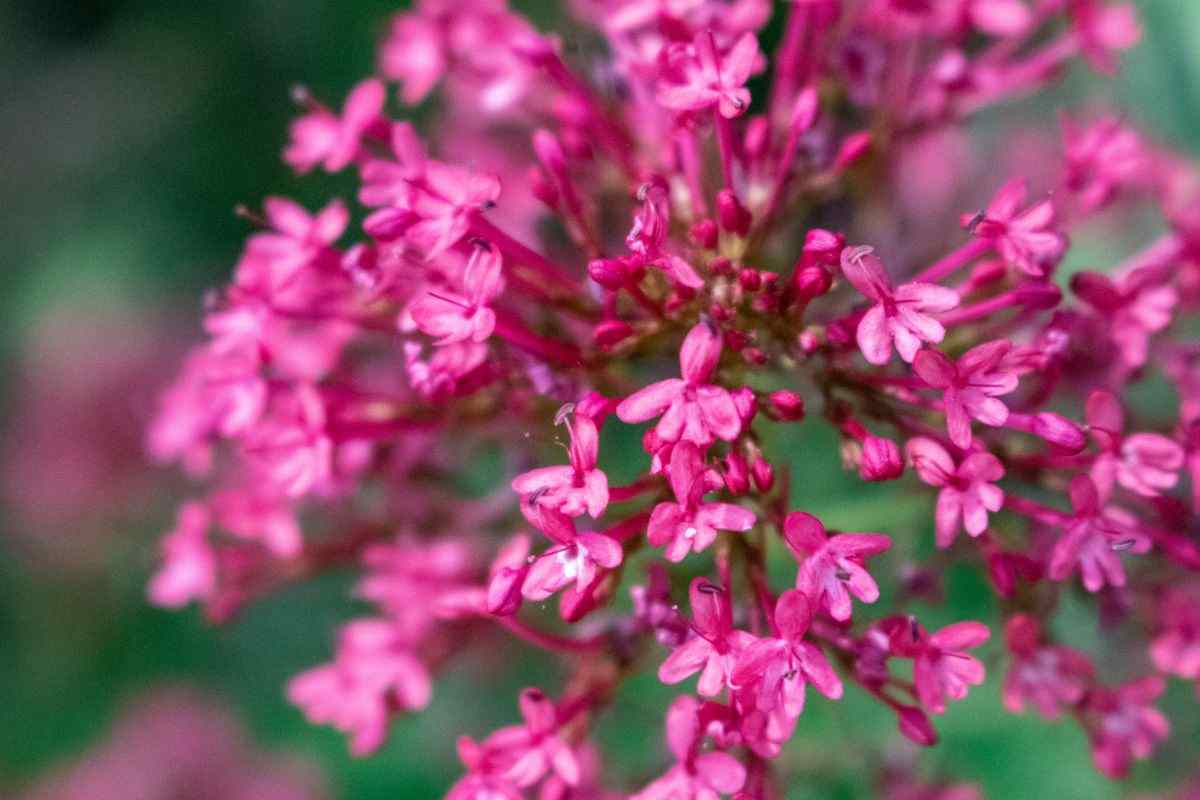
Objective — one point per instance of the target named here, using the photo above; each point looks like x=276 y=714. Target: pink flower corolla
x=296 y=240
x=332 y=141
x=1102 y=158
x=1000 y=17
x=447 y=371
x=291 y=446
x=692 y=409
x=1025 y=239
x=573 y=489
x=900 y=316
x=189 y=566
x=970 y=386
x=516 y=757
x=1124 y=724
x=453 y=317
x=696 y=775
x=574 y=559
x=1093 y=538
x=689 y=524
x=1103 y=29
x=701 y=77
x=1048 y=677
x=260 y=515
x=942 y=669
x=832 y=569
x=449 y=197
x=777 y=669
x=967 y=491
x=1176 y=647
x=1146 y=464
x=714 y=649
x=1134 y=308
x=374 y=674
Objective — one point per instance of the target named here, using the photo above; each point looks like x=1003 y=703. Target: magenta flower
x=1093 y=537
x=459 y=317
x=297 y=240
x=574 y=489
x=943 y=670
x=689 y=524
x=331 y=141
x=1025 y=239
x=291 y=446
x=1146 y=464
x=695 y=775
x=901 y=316
x=449 y=198
x=692 y=409
x=189 y=568
x=1176 y=648
x=967 y=491
x=1049 y=677
x=373 y=675
x=1134 y=308
x=576 y=561
x=970 y=386
x=714 y=648
x=707 y=78
x=832 y=568
x=777 y=669
x=1124 y=725
x=523 y=754
x=1103 y=29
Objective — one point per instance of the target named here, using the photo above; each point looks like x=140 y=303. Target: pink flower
x=189 y=568
x=695 y=775
x=413 y=54
x=291 y=446
x=777 y=669
x=967 y=491
x=1103 y=29
x=711 y=79
x=1000 y=17
x=832 y=568
x=297 y=240
x=714 y=648
x=692 y=409
x=900 y=316
x=1025 y=239
x=449 y=197
x=574 y=489
x=261 y=516
x=374 y=675
x=689 y=524
x=1176 y=648
x=578 y=561
x=321 y=137
x=1124 y=725
x=1102 y=158
x=1146 y=464
x=1134 y=308
x=943 y=670
x=1047 y=676
x=454 y=317
x=970 y=386
x=521 y=755
x=1092 y=539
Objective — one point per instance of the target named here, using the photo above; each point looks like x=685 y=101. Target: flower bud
x=744 y=402
x=810 y=282
x=732 y=215
x=737 y=473
x=915 y=725
x=1059 y=431
x=1039 y=295
x=786 y=405
x=704 y=234
x=854 y=148
x=881 y=459
x=611 y=332
x=611 y=273
x=763 y=474
x=822 y=247
x=749 y=279
x=1096 y=290
x=757 y=138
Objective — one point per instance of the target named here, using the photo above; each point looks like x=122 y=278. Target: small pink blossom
x=1050 y=677
x=942 y=670
x=519 y=756
x=967 y=491
x=1093 y=538
x=692 y=409
x=1133 y=306
x=189 y=568
x=777 y=669
x=373 y=675
x=1026 y=239
x=323 y=138
x=712 y=79
x=970 y=386
x=1104 y=29
x=296 y=240
x=1176 y=648
x=689 y=524
x=833 y=566
x=448 y=198
x=453 y=317
x=575 y=489
x=291 y=446
x=714 y=648
x=900 y=316
x=576 y=561
x=1146 y=464
x=695 y=775
x=1124 y=725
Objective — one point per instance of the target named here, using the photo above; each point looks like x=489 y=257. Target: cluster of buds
x=671 y=229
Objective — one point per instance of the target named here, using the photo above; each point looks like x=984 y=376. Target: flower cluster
x=666 y=227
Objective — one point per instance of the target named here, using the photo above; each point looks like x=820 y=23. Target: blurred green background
x=130 y=130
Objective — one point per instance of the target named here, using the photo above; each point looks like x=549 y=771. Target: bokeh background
x=129 y=131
